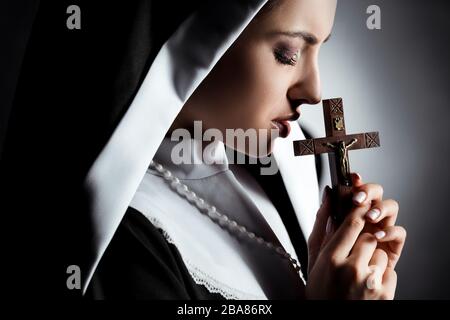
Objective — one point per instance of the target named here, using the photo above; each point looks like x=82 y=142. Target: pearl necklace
x=220 y=218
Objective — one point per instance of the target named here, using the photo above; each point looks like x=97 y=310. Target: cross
x=337 y=144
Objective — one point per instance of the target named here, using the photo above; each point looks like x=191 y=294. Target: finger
x=363 y=250
x=365 y=194
x=394 y=237
x=320 y=226
x=377 y=265
x=379 y=259
x=344 y=238
x=347 y=233
x=374 y=280
x=329 y=231
x=389 y=284
x=322 y=216
x=356 y=179
x=385 y=211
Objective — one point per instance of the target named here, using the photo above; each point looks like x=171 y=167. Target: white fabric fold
x=300 y=179
x=182 y=63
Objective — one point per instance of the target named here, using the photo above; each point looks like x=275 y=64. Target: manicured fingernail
x=329 y=225
x=373 y=281
x=379 y=235
x=373 y=214
x=370 y=283
x=360 y=197
x=358 y=175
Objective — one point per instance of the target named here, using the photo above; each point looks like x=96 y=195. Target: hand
x=382 y=217
x=351 y=263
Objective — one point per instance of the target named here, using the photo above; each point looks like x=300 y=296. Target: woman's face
x=264 y=77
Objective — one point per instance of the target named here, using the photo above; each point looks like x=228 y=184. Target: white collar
x=213 y=257
x=195 y=168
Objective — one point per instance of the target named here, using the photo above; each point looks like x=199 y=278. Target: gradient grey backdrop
x=396 y=81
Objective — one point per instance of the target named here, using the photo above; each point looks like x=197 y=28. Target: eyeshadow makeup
x=286 y=55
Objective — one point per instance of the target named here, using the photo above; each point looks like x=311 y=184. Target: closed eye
x=286 y=57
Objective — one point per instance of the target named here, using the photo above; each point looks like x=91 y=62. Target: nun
x=160 y=208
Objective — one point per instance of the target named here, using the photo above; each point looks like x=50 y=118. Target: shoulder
x=140 y=263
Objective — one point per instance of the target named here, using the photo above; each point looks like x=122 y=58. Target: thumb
x=319 y=231
x=356 y=179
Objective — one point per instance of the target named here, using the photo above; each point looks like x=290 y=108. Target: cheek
x=258 y=87
x=271 y=82
x=246 y=89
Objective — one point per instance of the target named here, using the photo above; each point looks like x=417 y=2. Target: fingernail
x=360 y=197
x=373 y=214
x=370 y=283
x=379 y=235
x=373 y=282
x=358 y=175
x=329 y=225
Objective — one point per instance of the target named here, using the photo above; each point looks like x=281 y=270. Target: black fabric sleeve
x=140 y=264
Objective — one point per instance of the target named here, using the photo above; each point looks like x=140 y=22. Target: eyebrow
x=308 y=37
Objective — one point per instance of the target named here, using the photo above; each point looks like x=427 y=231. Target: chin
x=258 y=146
x=256 y=152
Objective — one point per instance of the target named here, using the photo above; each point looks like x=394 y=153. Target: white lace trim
x=202 y=278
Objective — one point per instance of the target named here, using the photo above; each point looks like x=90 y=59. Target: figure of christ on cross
x=342 y=149
x=337 y=144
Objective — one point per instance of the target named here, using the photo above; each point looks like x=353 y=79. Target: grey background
x=396 y=81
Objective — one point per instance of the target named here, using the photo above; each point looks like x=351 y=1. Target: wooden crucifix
x=337 y=144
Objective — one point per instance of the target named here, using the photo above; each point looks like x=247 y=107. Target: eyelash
x=281 y=55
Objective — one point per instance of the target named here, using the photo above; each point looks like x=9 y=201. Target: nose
x=306 y=88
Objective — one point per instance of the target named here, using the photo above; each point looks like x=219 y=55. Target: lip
x=283 y=125
x=289 y=117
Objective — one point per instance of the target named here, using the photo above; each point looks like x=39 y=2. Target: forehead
x=313 y=16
